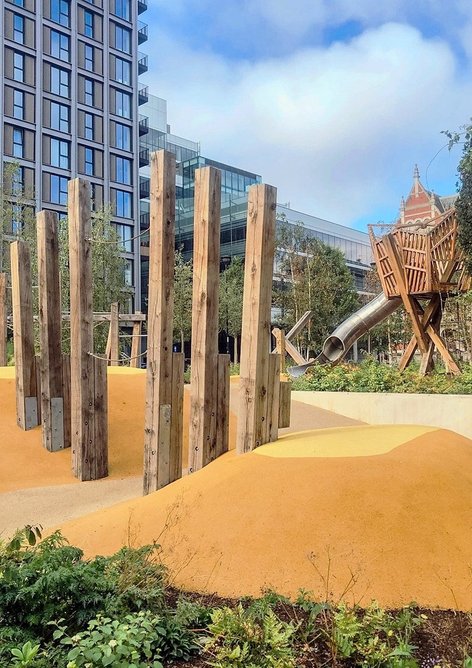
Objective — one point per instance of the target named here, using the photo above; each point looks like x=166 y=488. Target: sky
x=331 y=101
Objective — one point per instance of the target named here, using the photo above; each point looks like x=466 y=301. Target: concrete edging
x=446 y=411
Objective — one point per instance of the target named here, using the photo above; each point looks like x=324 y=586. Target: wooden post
x=279 y=336
x=285 y=402
x=3 y=319
x=177 y=417
x=88 y=414
x=114 y=335
x=273 y=399
x=50 y=333
x=158 y=418
x=255 y=340
x=27 y=403
x=135 y=344
x=222 y=412
x=206 y=270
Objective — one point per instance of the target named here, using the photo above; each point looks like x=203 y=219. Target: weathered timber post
x=164 y=400
x=3 y=319
x=135 y=344
x=55 y=412
x=113 y=342
x=26 y=375
x=205 y=441
x=254 y=409
x=89 y=429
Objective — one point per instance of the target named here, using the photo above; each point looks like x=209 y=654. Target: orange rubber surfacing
x=396 y=526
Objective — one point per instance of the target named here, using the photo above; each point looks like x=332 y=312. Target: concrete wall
x=447 y=411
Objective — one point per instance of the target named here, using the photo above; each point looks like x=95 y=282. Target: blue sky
x=332 y=101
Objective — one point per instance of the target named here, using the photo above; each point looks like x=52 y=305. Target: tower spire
x=416 y=179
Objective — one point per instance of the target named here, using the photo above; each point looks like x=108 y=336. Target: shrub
x=252 y=638
x=374 y=638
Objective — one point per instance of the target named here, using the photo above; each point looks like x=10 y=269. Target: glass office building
x=70 y=97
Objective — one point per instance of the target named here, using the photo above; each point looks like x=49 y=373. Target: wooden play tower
x=422 y=264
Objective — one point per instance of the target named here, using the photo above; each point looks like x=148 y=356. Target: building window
x=16 y=219
x=59 y=81
x=123 y=204
x=60 y=115
x=89 y=161
x=122 y=39
x=122 y=137
x=125 y=234
x=129 y=272
x=88 y=23
x=88 y=92
x=123 y=9
x=60 y=12
x=18 y=137
x=18 y=29
x=19 y=3
x=18 y=181
x=88 y=57
x=60 y=153
x=18 y=104
x=58 y=194
x=18 y=66
x=122 y=104
x=123 y=170
x=123 y=71
x=88 y=126
x=60 y=46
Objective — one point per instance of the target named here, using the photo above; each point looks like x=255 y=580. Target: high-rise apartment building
x=70 y=98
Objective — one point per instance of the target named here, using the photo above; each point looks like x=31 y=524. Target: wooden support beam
x=255 y=340
x=294 y=353
x=273 y=399
x=298 y=326
x=135 y=345
x=157 y=430
x=88 y=402
x=27 y=397
x=279 y=336
x=429 y=313
x=206 y=271
x=3 y=319
x=50 y=333
x=408 y=302
x=285 y=402
x=177 y=417
x=114 y=335
x=222 y=412
x=66 y=398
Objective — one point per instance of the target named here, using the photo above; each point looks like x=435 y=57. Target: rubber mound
x=361 y=513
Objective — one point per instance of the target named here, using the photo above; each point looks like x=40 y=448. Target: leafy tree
x=464 y=201
x=311 y=276
x=231 y=301
x=183 y=273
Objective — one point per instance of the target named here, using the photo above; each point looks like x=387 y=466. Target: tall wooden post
x=161 y=413
x=3 y=319
x=203 y=440
x=113 y=343
x=53 y=409
x=88 y=380
x=27 y=403
x=135 y=344
x=255 y=339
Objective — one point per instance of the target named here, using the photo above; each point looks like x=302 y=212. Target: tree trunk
x=182 y=341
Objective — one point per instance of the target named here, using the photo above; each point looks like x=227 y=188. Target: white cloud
x=332 y=128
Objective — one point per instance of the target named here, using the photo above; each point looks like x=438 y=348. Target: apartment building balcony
x=142 y=63
x=142 y=6
x=142 y=32
x=143 y=95
x=144 y=219
x=144 y=187
x=144 y=157
x=143 y=125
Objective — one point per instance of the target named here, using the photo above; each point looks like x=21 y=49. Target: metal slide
x=338 y=343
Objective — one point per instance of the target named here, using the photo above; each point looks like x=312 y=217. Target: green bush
x=375 y=638
x=371 y=376
x=251 y=638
